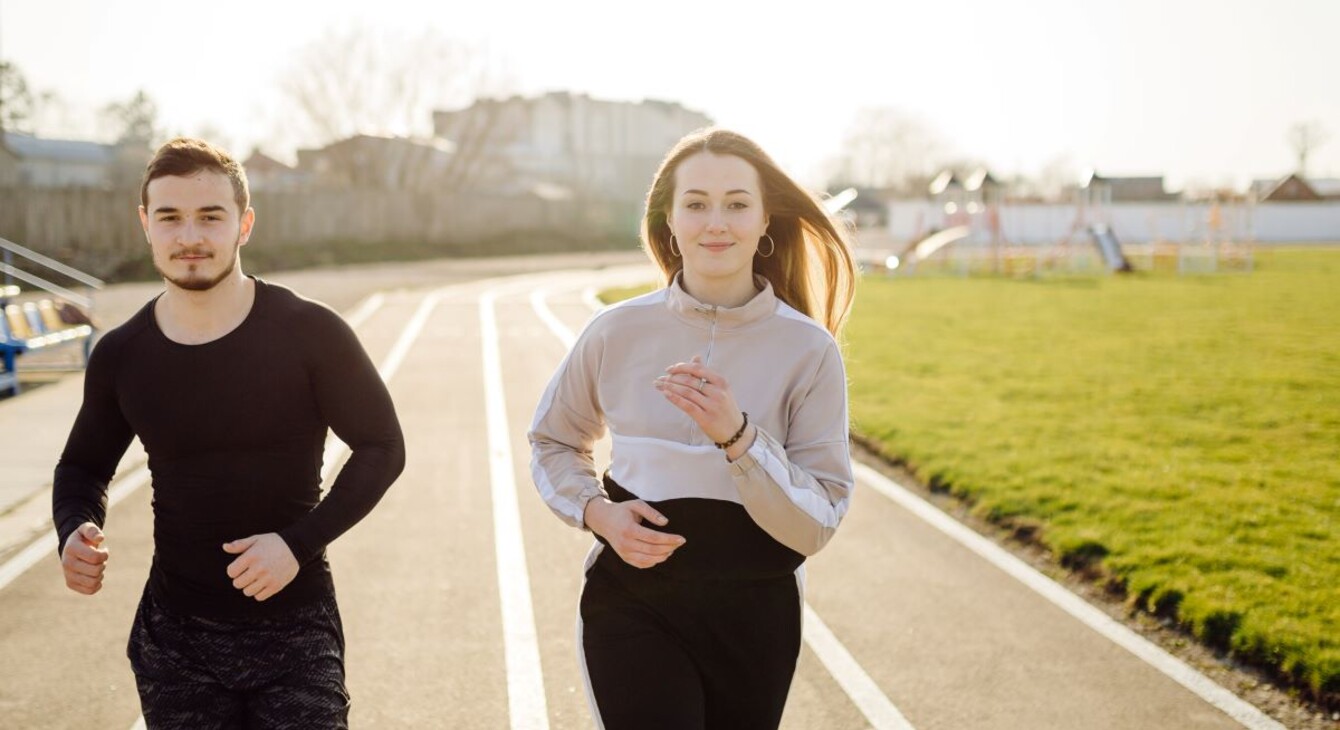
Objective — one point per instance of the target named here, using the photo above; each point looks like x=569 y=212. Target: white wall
x=1297 y=221
x=58 y=174
x=1038 y=223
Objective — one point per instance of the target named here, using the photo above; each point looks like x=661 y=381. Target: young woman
x=726 y=399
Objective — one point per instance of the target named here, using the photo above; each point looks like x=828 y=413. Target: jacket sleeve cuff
x=743 y=465
x=584 y=499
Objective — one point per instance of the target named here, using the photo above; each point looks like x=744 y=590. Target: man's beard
x=192 y=282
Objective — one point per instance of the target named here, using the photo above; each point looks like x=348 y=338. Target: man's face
x=195 y=229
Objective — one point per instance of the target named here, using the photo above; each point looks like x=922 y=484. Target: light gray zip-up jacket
x=785 y=371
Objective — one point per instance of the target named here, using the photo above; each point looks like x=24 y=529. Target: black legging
x=685 y=654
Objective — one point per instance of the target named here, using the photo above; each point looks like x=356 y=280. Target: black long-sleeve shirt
x=234 y=429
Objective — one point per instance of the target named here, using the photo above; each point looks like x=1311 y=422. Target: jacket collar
x=696 y=313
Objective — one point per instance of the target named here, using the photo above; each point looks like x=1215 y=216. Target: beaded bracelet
x=731 y=441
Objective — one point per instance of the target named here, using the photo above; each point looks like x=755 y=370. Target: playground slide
x=839 y=201
x=1109 y=248
x=926 y=247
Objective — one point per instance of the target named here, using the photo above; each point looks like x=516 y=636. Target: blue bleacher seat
x=32 y=326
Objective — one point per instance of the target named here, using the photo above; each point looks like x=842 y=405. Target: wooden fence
x=98 y=230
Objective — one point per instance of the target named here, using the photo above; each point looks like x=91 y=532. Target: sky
x=1201 y=92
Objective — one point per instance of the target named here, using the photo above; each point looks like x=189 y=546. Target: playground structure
x=970 y=226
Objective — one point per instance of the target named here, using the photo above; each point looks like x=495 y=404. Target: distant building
x=1147 y=189
x=388 y=163
x=58 y=163
x=53 y=163
x=870 y=207
x=267 y=173
x=1290 y=189
x=606 y=149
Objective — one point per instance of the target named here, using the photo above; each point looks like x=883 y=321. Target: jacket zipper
x=695 y=434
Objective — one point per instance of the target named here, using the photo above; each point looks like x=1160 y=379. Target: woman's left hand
x=706 y=396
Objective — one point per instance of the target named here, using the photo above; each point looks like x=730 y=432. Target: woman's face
x=717 y=215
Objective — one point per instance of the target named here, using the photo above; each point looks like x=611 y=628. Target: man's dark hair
x=185 y=156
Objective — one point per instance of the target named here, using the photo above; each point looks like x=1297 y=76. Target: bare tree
x=216 y=136
x=362 y=81
x=479 y=132
x=54 y=116
x=16 y=100
x=1305 y=138
x=135 y=120
x=1057 y=175
x=888 y=148
x=387 y=83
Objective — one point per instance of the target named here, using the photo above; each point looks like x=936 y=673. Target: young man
x=230 y=382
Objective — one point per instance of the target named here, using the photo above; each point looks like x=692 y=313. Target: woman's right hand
x=620 y=523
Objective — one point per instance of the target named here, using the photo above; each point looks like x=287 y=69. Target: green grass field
x=1181 y=434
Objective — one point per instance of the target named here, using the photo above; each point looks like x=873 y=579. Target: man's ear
x=247 y=222
x=144 y=223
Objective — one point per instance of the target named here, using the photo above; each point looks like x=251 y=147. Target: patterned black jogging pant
x=202 y=673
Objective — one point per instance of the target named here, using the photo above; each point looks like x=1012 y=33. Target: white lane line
x=364 y=309
x=1204 y=687
x=864 y=693
x=879 y=711
x=336 y=450
x=538 y=302
x=44 y=545
x=521 y=649
x=590 y=299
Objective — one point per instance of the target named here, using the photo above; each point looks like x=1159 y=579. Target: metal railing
x=9 y=250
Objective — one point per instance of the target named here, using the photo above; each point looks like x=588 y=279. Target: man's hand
x=265 y=564
x=84 y=559
x=620 y=523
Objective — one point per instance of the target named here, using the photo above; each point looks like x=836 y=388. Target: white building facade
x=596 y=148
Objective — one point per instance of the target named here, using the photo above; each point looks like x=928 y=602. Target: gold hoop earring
x=772 y=250
x=673 y=249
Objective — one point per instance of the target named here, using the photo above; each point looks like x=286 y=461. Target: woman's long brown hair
x=811 y=268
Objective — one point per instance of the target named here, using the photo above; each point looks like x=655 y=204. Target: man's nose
x=190 y=233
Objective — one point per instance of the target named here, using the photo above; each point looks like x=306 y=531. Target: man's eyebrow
x=205 y=209
x=728 y=192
